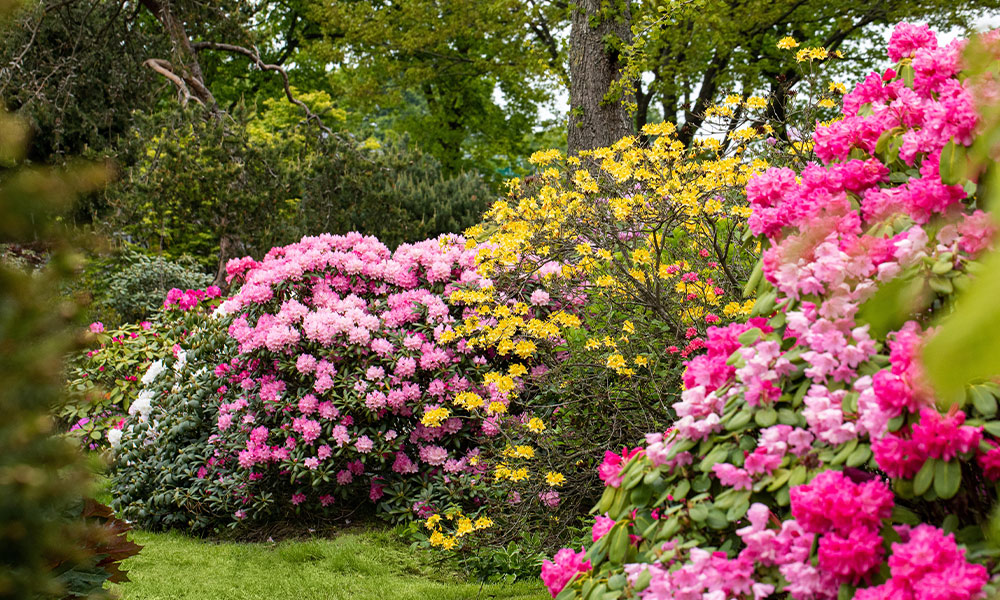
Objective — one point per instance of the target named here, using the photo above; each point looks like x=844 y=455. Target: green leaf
x=617 y=582
x=992 y=428
x=682 y=489
x=787 y=416
x=716 y=519
x=860 y=455
x=764 y=304
x=983 y=400
x=619 y=544
x=925 y=476
x=950 y=524
x=947 y=478
x=780 y=478
x=755 y=277
x=717 y=455
x=739 y=420
x=698 y=513
x=607 y=498
x=954 y=163
x=642 y=581
x=964 y=348
x=641 y=495
x=736 y=511
x=844 y=452
x=901 y=514
x=766 y=417
x=750 y=336
x=797 y=476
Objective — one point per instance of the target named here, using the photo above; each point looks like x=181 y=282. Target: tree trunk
x=226 y=251
x=595 y=119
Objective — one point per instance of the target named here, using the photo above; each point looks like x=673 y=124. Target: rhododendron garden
x=744 y=350
x=815 y=423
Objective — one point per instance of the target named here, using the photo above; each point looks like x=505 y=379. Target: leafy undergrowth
x=357 y=565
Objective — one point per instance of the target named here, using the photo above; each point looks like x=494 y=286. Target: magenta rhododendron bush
x=810 y=459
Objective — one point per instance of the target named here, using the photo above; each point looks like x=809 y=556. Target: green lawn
x=368 y=565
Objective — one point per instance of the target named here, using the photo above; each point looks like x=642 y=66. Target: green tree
x=435 y=68
x=692 y=52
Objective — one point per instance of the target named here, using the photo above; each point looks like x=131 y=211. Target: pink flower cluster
x=557 y=572
x=847 y=516
x=704 y=575
x=774 y=443
x=928 y=565
x=188 y=299
x=836 y=233
x=611 y=468
x=900 y=390
x=341 y=353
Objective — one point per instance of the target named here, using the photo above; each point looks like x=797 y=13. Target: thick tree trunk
x=596 y=120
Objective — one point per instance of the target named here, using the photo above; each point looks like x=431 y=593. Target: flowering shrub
x=105 y=379
x=606 y=269
x=161 y=447
x=809 y=459
x=345 y=382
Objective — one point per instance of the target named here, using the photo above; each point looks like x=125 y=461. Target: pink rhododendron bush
x=339 y=382
x=810 y=458
x=342 y=383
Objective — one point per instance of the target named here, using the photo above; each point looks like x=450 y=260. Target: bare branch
x=165 y=69
x=254 y=56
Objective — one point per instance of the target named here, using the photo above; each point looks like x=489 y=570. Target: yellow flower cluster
x=787 y=43
x=811 y=54
x=553 y=236
x=468 y=400
x=519 y=452
x=504 y=471
x=436 y=417
x=649 y=221
x=840 y=88
x=461 y=525
x=554 y=478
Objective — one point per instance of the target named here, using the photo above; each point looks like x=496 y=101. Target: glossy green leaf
x=947 y=478
x=925 y=476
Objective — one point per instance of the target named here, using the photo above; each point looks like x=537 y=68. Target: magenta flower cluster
x=185 y=300
x=557 y=572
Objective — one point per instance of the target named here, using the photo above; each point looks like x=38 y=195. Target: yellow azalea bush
x=617 y=249
x=604 y=271
x=607 y=269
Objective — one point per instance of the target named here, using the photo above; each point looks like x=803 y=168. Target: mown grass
x=370 y=565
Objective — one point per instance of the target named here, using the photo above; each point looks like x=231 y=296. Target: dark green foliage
x=155 y=474
x=46 y=548
x=219 y=190
x=73 y=71
x=396 y=193
x=130 y=285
